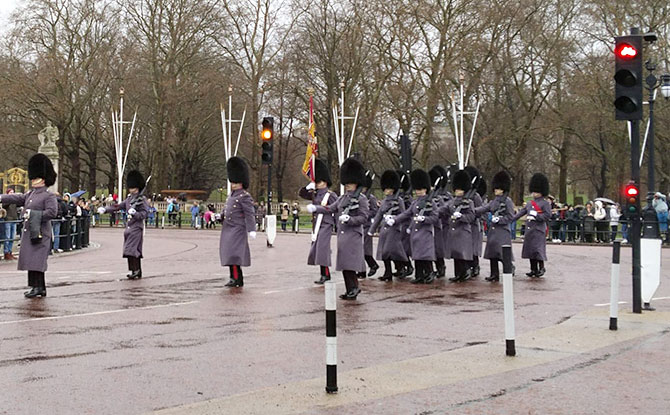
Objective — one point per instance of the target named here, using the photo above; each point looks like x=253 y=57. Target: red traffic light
x=632 y=190
x=626 y=51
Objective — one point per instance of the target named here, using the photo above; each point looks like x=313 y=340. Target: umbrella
x=78 y=194
x=605 y=200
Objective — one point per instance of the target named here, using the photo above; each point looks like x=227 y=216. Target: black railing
x=68 y=234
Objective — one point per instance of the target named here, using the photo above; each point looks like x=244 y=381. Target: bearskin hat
x=135 y=180
x=321 y=172
x=461 y=181
x=404 y=180
x=352 y=171
x=438 y=171
x=420 y=179
x=539 y=183
x=369 y=178
x=481 y=187
x=390 y=180
x=238 y=171
x=40 y=167
x=502 y=181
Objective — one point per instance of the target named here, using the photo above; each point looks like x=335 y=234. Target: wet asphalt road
x=100 y=344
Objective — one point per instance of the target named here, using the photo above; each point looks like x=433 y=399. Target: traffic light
x=632 y=195
x=267 y=134
x=628 y=77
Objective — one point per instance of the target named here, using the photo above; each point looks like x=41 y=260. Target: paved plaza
x=179 y=342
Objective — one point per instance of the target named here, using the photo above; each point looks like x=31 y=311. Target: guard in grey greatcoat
x=439 y=174
x=502 y=211
x=389 y=246
x=351 y=211
x=477 y=230
x=406 y=196
x=239 y=221
x=39 y=207
x=137 y=209
x=538 y=214
x=319 y=194
x=445 y=219
x=373 y=205
x=422 y=218
x=461 y=213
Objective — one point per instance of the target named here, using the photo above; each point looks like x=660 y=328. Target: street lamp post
x=652 y=84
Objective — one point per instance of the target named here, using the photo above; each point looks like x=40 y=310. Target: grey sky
x=6 y=7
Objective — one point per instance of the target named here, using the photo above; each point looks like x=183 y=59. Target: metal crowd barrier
x=74 y=233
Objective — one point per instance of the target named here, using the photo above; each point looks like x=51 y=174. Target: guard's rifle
x=353 y=201
x=467 y=196
x=502 y=209
x=139 y=199
x=427 y=203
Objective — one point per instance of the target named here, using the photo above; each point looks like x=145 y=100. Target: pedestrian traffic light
x=267 y=133
x=628 y=77
x=632 y=195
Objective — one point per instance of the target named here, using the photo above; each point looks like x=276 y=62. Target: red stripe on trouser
x=235 y=273
x=327 y=272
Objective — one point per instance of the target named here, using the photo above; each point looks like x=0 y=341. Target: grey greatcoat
x=372 y=212
x=349 y=234
x=460 y=230
x=406 y=240
x=133 y=236
x=422 y=234
x=320 y=252
x=239 y=220
x=439 y=236
x=535 y=237
x=499 y=233
x=445 y=220
x=477 y=235
x=33 y=257
x=389 y=246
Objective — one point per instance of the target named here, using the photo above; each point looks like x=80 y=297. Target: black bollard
x=614 y=285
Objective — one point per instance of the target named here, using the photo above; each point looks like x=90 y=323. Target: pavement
x=179 y=342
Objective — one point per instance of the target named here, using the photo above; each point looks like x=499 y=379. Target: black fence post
x=179 y=219
x=65 y=234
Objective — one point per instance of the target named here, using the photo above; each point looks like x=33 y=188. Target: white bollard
x=331 y=336
x=614 y=285
x=508 y=298
x=163 y=222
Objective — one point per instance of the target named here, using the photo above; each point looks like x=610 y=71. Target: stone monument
x=48 y=137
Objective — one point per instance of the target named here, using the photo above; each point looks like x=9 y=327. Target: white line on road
x=97 y=313
x=296 y=289
x=626 y=302
x=78 y=272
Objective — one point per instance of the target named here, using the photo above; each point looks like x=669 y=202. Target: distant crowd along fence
x=73 y=233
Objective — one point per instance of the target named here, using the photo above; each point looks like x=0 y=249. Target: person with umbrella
x=39 y=207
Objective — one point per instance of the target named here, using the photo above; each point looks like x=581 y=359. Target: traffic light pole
x=636 y=225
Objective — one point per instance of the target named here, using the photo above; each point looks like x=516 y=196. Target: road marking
x=626 y=302
x=61 y=272
x=97 y=313
x=297 y=289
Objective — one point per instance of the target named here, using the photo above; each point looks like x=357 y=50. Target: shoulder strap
x=536 y=206
x=326 y=197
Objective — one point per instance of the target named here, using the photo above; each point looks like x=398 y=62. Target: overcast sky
x=6 y=7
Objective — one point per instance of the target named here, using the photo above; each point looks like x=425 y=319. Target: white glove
x=252 y=234
x=132 y=211
x=311 y=208
x=419 y=218
x=532 y=213
x=26 y=214
x=101 y=210
x=311 y=186
x=390 y=221
x=530 y=218
x=456 y=215
x=408 y=230
x=344 y=218
x=495 y=219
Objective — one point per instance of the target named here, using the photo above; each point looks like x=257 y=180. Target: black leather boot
x=373 y=270
x=36 y=292
x=322 y=280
